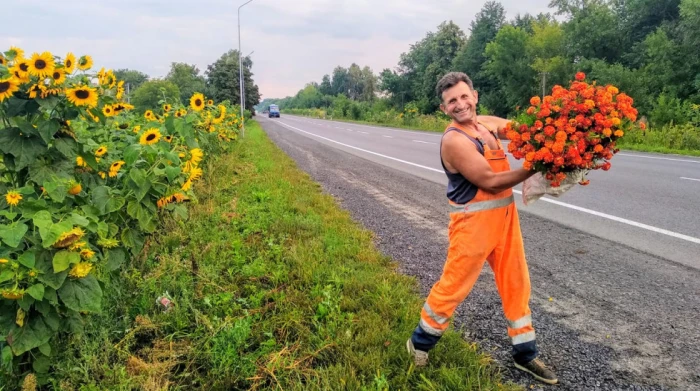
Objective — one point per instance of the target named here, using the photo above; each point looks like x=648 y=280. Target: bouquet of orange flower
x=569 y=133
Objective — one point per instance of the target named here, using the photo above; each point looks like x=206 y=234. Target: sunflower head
x=3 y=60
x=13 y=198
x=70 y=63
x=80 y=270
x=58 y=76
x=82 y=96
x=197 y=102
x=68 y=238
x=123 y=126
x=101 y=151
x=41 y=65
x=168 y=138
x=150 y=137
x=166 y=108
x=148 y=115
x=210 y=102
x=8 y=87
x=85 y=63
x=108 y=111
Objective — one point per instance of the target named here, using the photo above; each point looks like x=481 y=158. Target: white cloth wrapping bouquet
x=537 y=186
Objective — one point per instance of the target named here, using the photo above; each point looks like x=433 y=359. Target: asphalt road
x=612 y=310
x=648 y=202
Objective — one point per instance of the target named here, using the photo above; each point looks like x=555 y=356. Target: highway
x=649 y=202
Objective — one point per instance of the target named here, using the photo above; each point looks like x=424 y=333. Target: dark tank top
x=459 y=189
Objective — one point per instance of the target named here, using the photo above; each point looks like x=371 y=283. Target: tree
x=223 y=80
x=186 y=77
x=472 y=57
x=510 y=64
x=151 y=93
x=339 y=81
x=547 y=49
x=131 y=77
x=592 y=31
x=326 y=87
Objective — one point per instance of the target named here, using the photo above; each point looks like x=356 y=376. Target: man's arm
x=463 y=156
x=497 y=124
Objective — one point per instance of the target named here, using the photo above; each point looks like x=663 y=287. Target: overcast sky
x=294 y=41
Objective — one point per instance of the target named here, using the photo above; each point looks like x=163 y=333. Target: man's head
x=458 y=97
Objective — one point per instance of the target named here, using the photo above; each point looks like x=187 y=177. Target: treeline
x=219 y=82
x=648 y=48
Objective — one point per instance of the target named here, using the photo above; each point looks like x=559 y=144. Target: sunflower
x=75 y=189
x=196 y=156
x=108 y=111
x=50 y=91
x=80 y=270
x=87 y=254
x=69 y=63
x=3 y=60
x=120 y=90
x=187 y=185
x=150 y=137
x=101 y=151
x=148 y=115
x=22 y=77
x=166 y=108
x=82 y=96
x=13 y=198
x=16 y=52
x=168 y=138
x=123 y=126
x=68 y=238
x=22 y=65
x=8 y=87
x=36 y=90
x=178 y=114
x=85 y=63
x=13 y=294
x=137 y=128
x=58 y=76
x=115 y=167
x=195 y=174
x=80 y=162
x=210 y=102
x=107 y=243
x=41 y=65
x=197 y=102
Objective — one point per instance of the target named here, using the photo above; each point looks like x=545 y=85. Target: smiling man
x=484 y=226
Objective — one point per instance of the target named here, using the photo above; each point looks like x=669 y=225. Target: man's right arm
x=462 y=154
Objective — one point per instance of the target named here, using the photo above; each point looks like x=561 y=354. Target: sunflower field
x=83 y=181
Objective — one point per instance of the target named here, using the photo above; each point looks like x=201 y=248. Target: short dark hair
x=450 y=80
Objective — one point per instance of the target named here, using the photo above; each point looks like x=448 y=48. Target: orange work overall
x=486 y=228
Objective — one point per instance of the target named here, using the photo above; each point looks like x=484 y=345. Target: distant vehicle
x=274 y=111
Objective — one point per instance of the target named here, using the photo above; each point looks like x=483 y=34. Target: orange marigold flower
x=558 y=161
x=643 y=126
x=558 y=147
x=530 y=156
x=598 y=148
x=535 y=100
x=531 y=110
x=607 y=132
x=580 y=76
x=619 y=133
x=525 y=136
x=527 y=165
x=538 y=125
x=561 y=136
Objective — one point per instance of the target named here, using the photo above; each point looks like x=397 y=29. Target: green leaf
x=83 y=294
x=7 y=357
x=16 y=107
x=54 y=233
x=57 y=190
x=48 y=277
x=103 y=229
x=42 y=219
x=7 y=275
x=25 y=148
x=131 y=154
x=28 y=259
x=26 y=302
x=49 y=103
x=63 y=259
x=34 y=334
x=48 y=128
x=52 y=319
x=100 y=197
x=181 y=211
x=8 y=215
x=50 y=294
x=170 y=124
x=115 y=259
x=132 y=239
x=13 y=234
x=36 y=291
x=141 y=213
x=172 y=172
x=41 y=364
x=66 y=146
x=75 y=323
x=77 y=219
x=44 y=170
x=141 y=185
x=45 y=349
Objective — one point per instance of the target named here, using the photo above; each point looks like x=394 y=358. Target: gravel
x=608 y=317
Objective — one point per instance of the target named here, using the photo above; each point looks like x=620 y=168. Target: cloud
x=294 y=41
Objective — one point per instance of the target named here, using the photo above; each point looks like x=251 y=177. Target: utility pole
x=240 y=68
x=544 y=83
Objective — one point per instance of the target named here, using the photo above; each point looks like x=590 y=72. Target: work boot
x=420 y=358
x=540 y=371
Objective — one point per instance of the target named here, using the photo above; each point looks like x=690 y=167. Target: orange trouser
x=487 y=228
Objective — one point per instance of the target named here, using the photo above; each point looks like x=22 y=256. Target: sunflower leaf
x=140 y=183
x=24 y=148
x=83 y=294
x=34 y=334
x=17 y=107
x=63 y=259
x=48 y=128
x=13 y=234
x=66 y=145
x=172 y=172
x=131 y=154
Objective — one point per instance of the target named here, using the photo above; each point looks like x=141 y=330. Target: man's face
x=459 y=102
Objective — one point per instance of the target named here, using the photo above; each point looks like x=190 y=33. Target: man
x=484 y=226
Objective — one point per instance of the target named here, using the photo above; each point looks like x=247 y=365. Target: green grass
x=275 y=287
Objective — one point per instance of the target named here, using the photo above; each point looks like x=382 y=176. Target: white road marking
x=659 y=158
x=362 y=132
x=690 y=179
x=551 y=201
x=423 y=142
x=388 y=136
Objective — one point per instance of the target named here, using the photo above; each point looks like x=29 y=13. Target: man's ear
x=476 y=95
x=442 y=108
